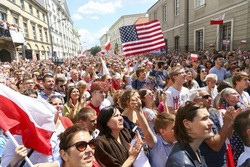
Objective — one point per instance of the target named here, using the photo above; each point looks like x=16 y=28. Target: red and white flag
x=108 y=44
x=243 y=42
x=194 y=57
x=219 y=20
x=31 y=118
x=142 y=38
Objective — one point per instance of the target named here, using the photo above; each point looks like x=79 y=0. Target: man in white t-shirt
x=177 y=95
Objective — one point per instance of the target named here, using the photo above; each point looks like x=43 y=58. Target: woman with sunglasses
x=192 y=127
x=202 y=73
x=148 y=106
x=113 y=143
x=77 y=147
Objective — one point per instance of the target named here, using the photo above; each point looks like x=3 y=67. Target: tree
x=94 y=50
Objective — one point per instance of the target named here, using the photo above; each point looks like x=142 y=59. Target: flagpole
x=16 y=144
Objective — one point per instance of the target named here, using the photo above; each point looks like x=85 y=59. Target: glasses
x=203 y=70
x=183 y=72
x=29 y=83
x=206 y=96
x=234 y=63
x=62 y=86
x=150 y=94
x=55 y=104
x=82 y=145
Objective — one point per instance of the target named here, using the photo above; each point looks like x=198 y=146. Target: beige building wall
x=193 y=27
x=31 y=18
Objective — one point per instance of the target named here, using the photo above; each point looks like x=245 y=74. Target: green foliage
x=94 y=50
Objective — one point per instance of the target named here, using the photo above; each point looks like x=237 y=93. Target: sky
x=93 y=18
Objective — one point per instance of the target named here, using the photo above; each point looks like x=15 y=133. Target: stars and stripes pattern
x=142 y=38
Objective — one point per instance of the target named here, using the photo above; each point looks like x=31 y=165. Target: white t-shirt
x=150 y=114
x=244 y=100
x=176 y=98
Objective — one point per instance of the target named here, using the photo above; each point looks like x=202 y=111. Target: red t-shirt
x=90 y=105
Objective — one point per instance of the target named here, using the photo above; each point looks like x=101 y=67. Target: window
x=177 y=7
x=38 y=14
x=199 y=40
x=31 y=9
x=15 y=20
x=155 y=15
x=225 y=36
x=26 y=32
x=46 y=36
x=165 y=13
x=22 y=4
x=41 y=35
x=199 y=3
x=176 y=43
x=43 y=17
x=34 y=32
x=2 y=16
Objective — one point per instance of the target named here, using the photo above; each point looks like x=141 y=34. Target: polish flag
x=219 y=20
x=108 y=44
x=128 y=62
x=149 y=63
x=243 y=42
x=194 y=56
x=31 y=118
x=211 y=45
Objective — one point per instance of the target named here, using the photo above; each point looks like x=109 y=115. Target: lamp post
x=51 y=40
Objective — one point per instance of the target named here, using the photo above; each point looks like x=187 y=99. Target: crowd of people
x=146 y=110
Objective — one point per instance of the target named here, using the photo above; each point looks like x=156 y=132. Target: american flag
x=142 y=38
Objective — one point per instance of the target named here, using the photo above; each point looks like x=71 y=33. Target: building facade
x=65 y=40
x=114 y=34
x=30 y=16
x=103 y=40
x=186 y=24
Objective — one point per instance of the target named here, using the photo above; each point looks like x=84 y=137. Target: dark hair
x=68 y=134
x=69 y=92
x=162 y=121
x=222 y=85
x=142 y=94
x=233 y=68
x=125 y=98
x=59 y=79
x=188 y=112
x=160 y=64
x=47 y=75
x=28 y=92
x=104 y=116
x=83 y=114
x=241 y=124
x=217 y=56
x=141 y=69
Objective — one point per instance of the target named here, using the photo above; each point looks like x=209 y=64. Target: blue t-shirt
x=158 y=155
x=219 y=72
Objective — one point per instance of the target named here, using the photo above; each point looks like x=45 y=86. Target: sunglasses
x=82 y=145
x=62 y=86
x=203 y=70
x=206 y=96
